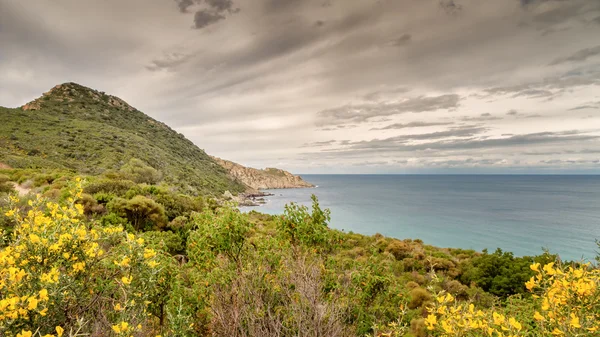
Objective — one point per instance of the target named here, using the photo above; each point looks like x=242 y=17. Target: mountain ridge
x=76 y=128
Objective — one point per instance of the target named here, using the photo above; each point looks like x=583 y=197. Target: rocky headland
x=259 y=179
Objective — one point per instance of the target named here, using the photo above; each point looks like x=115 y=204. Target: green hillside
x=76 y=128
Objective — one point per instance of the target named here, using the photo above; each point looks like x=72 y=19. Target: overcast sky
x=333 y=86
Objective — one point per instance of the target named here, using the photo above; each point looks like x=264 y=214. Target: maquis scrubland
x=115 y=225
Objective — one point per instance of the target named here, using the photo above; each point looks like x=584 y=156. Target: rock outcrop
x=269 y=178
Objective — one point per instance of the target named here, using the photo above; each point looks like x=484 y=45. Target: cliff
x=269 y=178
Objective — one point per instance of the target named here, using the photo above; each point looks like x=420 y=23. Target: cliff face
x=269 y=178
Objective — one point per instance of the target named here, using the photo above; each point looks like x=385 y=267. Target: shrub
x=418 y=297
x=303 y=228
x=117 y=187
x=566 y=304
x=142 y=213
x=60 y=274
x=138 y=171
x=399 y=249
x=5 y=184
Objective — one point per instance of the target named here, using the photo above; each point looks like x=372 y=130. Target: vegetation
x=112 y=257
x=121 y=235
x=85 y=131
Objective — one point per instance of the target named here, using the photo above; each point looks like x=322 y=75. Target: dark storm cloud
x=579 y=56
x=359 y=113
x=397 y=126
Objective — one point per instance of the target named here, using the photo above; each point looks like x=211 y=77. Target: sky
x=333 y=86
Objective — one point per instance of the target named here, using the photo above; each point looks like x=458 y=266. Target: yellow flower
x=513 y=322
x=44 y=295
x=149 y=253
x=25 y=333
x=127 y=280
x=44 y=312
x=59 y=331
x=10 y=213
x=32 y=303
x=79 y=266
x=538 y=317
x=535 y=267
x=431 y=321
x=549 y=268
x=574 y=321
x=118 y=307
x=557 y=332
x=530 y=284
x=34 y=238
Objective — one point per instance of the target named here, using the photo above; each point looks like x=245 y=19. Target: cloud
x=579 y=56
x=483 y=117
x=261 y=77
x=359 y=113
x=401 y=144
x=402 y=40
x=213 y=12
x=512 y=112
x=206 y=17
x=397 y=126
x=319 y=144
x=451 y=6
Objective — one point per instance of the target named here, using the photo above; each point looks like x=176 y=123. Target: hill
x=76 y=128
x=269 y=178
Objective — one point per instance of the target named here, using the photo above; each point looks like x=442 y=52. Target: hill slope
x=81 y=129
x=269 y=178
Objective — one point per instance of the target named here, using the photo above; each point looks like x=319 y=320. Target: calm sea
x=520 y=214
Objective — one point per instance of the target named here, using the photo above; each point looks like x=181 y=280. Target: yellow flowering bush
x=60 y=275
x=568 y=299
x=567 y=302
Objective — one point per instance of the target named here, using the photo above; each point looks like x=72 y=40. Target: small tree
x=304 y=228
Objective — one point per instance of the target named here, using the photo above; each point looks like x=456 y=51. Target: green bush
x=143 y=213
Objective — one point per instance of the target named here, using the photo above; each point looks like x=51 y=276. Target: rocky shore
x=257 y=180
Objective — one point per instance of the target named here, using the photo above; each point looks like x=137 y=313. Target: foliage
x=142 y=212
x=567 y=303
x=225 y=232
x=499 y=273
x=140 y=172
x=5 y=184
x=83 y=130
x=60 y=275
x=303 y=228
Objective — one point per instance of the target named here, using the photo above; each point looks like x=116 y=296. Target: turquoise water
x=521 y=214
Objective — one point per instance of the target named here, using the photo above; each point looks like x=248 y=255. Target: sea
x=523 y=214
